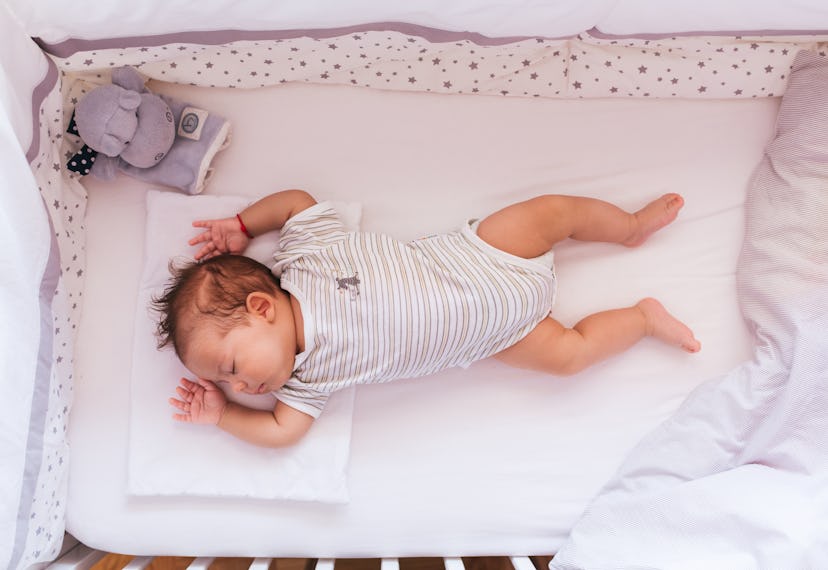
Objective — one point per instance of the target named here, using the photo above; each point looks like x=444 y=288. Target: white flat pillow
x=172 y=458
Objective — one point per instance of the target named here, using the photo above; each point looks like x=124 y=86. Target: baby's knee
x=568 y=364
x=550 y=348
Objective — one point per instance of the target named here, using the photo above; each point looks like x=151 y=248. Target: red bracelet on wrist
x=243 y=227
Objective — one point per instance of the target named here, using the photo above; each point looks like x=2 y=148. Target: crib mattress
x=482 y=461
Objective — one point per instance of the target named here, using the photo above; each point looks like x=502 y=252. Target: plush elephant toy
x=125 y=127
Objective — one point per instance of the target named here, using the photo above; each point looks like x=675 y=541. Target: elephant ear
x=128 y=78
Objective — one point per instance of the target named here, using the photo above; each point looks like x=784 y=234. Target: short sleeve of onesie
x=303 y=399
x=308 y=231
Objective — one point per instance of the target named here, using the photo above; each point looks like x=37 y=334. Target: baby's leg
x=555 y=349
x=529 y=229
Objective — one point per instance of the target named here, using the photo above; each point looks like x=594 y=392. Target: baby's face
x=253 y=358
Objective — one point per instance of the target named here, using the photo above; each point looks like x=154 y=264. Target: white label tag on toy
x=192 y=122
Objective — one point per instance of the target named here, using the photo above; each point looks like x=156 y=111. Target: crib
x=412 y=119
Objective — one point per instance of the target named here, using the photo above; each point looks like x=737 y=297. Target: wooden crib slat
x=81 y=557
x=139 y=563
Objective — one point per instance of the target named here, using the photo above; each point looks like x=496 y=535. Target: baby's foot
x=664 y=326
x=653 y=217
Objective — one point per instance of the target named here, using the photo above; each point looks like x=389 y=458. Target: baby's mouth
x=262 y=389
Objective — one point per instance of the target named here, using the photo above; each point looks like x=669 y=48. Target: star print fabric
x=586 y=65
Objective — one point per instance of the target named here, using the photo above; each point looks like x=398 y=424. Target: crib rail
x=82 y=557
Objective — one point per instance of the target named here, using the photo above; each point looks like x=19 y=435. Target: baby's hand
x=201 y=402
x=219 y=236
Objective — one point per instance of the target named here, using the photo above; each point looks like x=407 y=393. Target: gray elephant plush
x=126 y=128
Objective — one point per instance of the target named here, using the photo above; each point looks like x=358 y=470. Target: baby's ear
x=260 y=304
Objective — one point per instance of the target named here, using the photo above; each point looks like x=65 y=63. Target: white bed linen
x=22 y=67
x=24 y=316
x=650 y=17
x=56 y=21
x=485 y=461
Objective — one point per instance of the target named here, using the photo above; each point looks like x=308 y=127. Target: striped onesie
x=376 y=309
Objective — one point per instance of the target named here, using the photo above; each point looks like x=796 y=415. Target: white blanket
x=738 y=478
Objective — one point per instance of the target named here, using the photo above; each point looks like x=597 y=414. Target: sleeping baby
x=341 y=308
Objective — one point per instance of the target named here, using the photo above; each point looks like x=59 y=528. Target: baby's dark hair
x=215 y=289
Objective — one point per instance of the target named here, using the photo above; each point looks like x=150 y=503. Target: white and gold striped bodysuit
x=377 y=309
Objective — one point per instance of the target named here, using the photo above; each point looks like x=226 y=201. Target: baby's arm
x=202 y=402
x=271 y=212
x=280 y=427
x=231 y=235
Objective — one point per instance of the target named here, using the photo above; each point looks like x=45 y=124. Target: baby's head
x=211 y=293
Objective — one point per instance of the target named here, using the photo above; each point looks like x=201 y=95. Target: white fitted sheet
x=489 y=460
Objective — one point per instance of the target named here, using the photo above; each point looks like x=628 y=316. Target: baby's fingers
x=184 y=407
x=207 y=251
x=184 y=394
x=200 y=238
x=176 y=403
x=187 y=383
